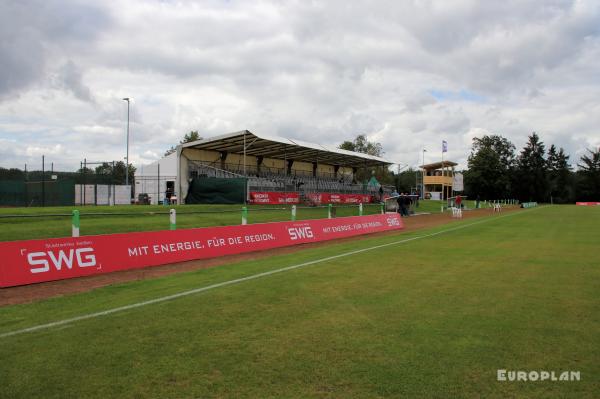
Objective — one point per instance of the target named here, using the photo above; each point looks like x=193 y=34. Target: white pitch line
x=240 y=280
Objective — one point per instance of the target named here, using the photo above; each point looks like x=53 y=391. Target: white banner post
x=75 y=223
x=244 y=215
x=172 y=219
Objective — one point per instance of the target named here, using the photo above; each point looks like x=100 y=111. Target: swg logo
x=393 y=222
x=297 y=233
x=81 y=257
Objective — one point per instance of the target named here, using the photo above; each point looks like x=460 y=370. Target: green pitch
x=431 y=317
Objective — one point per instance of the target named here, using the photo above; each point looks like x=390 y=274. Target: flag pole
x=443 y=171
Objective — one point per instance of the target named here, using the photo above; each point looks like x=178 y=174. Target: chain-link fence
x=95 y=183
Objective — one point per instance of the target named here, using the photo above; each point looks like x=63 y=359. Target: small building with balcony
x=437 y=179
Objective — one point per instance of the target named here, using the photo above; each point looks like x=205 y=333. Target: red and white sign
x=35 y=261
x=273 y=197
x=588 y=203
x=329 y=198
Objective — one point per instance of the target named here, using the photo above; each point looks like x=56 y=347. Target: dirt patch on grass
x=33 y=292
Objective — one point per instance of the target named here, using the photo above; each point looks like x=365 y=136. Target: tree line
x=495 y=171
x=105 y=173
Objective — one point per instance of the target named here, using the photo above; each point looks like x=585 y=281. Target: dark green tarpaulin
x=208 y=190
x=48 y=193
x=12 y=193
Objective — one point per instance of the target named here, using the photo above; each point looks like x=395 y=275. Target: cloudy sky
x=408 y=74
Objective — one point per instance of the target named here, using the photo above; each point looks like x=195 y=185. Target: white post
x=172 y=219
x=75 y=224
x=244 y=215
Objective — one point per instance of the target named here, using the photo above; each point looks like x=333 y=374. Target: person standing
x=399 y=202
x=403 y=202
x=407 y=204
x=458 y=201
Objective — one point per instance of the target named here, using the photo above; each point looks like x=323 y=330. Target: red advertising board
x=329 y=198
x=588 y=203
x=273 y=197
x=34 y=261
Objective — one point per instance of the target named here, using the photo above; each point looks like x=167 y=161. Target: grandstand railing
x=200 y=169
x=266 y=171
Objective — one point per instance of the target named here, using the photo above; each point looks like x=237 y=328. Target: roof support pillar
x=259 y=161
x=222 y=158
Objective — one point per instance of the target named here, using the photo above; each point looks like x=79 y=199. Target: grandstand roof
x=282 y=148
x=438 y=165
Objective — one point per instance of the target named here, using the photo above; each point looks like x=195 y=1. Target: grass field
x=111 y=219
x=431 y=317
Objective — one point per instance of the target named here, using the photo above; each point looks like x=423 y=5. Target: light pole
x=423 y=179
x=127 y=156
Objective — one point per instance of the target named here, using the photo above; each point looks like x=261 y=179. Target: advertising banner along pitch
x=329 y=198
x=274 y=197
x=35 y=261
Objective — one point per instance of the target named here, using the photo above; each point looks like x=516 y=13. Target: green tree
x=532 y=176
x=120 y=171
x=559 y=175
x=106 y=174
x=361 y=144
x=11 y=174
x=364 y=146
x=85 y=170
x=588 y=185
x=405 y=180
x=189 y=137
x=104 y=169
x=490 y=168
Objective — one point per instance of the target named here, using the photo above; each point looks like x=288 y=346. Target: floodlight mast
x=127 y=154
x=423 y=177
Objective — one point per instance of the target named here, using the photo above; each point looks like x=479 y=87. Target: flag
x=457 y=182
x=444 y=146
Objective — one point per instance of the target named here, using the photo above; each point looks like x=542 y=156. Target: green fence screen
x=216 y=191
x=48 y=193
x=12 y=193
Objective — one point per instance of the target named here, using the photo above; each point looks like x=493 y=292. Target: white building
x=157 y=179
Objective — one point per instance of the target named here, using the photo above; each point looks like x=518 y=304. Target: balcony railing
x=447 y=180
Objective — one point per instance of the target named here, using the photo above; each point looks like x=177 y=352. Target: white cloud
x=407 y=74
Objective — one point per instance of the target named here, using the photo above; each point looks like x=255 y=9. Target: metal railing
x=201 y=169
x=265 y=171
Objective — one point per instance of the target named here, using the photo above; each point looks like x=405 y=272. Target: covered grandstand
x=271 y=170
